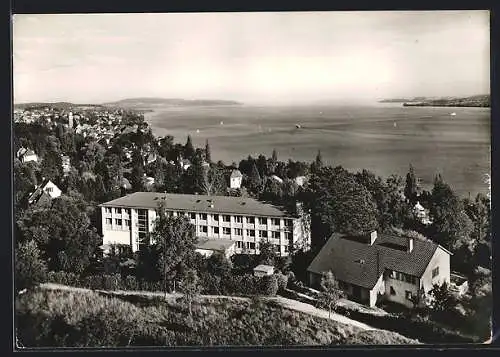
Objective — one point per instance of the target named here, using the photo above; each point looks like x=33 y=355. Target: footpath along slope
x=282 y=301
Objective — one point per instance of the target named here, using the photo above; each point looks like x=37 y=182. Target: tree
x=51 y=167
x=441 y=299
x=30 y=268
x=411 y=185
x=331 y=293
x=218 y=264
x=191 y=288
x=451 y=226
x=254 y=180
x=274 y=156
x=338 y=204
x=267 y=254
x=137 y=174
x=188 y=148
x=174 y=240
x=318 y=162
x=213 y=182
x=208 y=154
x=63 y=233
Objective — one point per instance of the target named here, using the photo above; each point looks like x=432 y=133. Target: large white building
x=246 y=221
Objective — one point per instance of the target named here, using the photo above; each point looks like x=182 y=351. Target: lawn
x=88 y=319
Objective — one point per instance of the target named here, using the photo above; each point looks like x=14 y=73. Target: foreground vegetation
x=87 y=319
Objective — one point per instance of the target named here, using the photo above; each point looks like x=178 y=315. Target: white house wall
x=440 y=259
x=400 y=287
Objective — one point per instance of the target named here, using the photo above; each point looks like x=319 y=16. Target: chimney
x=373 y=237
x=410 y=244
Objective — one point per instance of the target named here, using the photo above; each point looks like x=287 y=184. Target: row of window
x=403 y=277
x=239 y=219
x=215 y=217
x=116 y=209
x=253 y=245
x=249 y=232
x=408 y=294
x=118 y=222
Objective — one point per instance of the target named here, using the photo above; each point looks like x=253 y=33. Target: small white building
x=421 y=213
x=277 y=179
x=29 y=156
x=208 y=247
x=300 y=180
x=235 y=179
x=46 y=188
x=263 y=270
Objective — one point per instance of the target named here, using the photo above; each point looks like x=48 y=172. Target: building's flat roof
x=199 y=203
x=263 y=267
x=220 y=245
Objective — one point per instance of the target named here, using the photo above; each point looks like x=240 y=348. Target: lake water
x=384 y=138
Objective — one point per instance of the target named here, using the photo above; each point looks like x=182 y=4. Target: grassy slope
x=55 y=318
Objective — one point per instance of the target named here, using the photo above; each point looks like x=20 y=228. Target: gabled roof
x=199 y=203
x=354 y=261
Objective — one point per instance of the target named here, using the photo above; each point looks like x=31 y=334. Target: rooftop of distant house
x=199 y=203
x=236 y=173
x=354 y=260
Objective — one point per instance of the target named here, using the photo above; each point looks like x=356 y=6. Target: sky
x=267 y=57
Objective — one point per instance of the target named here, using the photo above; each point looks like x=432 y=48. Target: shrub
x=269 y=285
x=131 y=283
x=30 y=268
x=63 y=278
x=282 y=281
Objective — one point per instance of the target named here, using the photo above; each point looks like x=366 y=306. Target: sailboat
x=453 y=114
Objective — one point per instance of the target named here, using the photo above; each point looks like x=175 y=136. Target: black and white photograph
x=249 y=179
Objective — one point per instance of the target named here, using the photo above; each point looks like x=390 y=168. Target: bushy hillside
x=87 y=319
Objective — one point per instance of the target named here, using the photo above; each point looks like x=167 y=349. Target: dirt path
x=284 y=302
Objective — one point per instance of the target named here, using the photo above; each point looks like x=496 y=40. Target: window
x=49 y=189
x=118 y=222
x=118 y=211
x=251 y=245
x=204 y=216
x=435 y=272
x=275 y=221
x=192 y=215
x=275 y=235
x=288 y=222
x=216 y=217
x=408 y=295
x=203 y=229
x=262 y=220
x=108 y=221
x=288 y=235
x=250 y=232
x=393 y=292
x=238 y=231
x=262 y=234
x=286 y=249
x=226 y=230
x=226 y=218
x=251 y=220
x=238 y=219
x=239 y=244
x=108 y=209
x=215 y=230
x=127 y=222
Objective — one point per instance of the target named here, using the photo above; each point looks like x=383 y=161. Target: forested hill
x=472 y=101
x=154 y=102
x=57 y=105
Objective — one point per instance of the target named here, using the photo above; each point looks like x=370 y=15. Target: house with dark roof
x=380 y=267
x=44 y=192
x=235 y=179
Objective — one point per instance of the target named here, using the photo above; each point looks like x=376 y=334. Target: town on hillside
x=104 y=205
